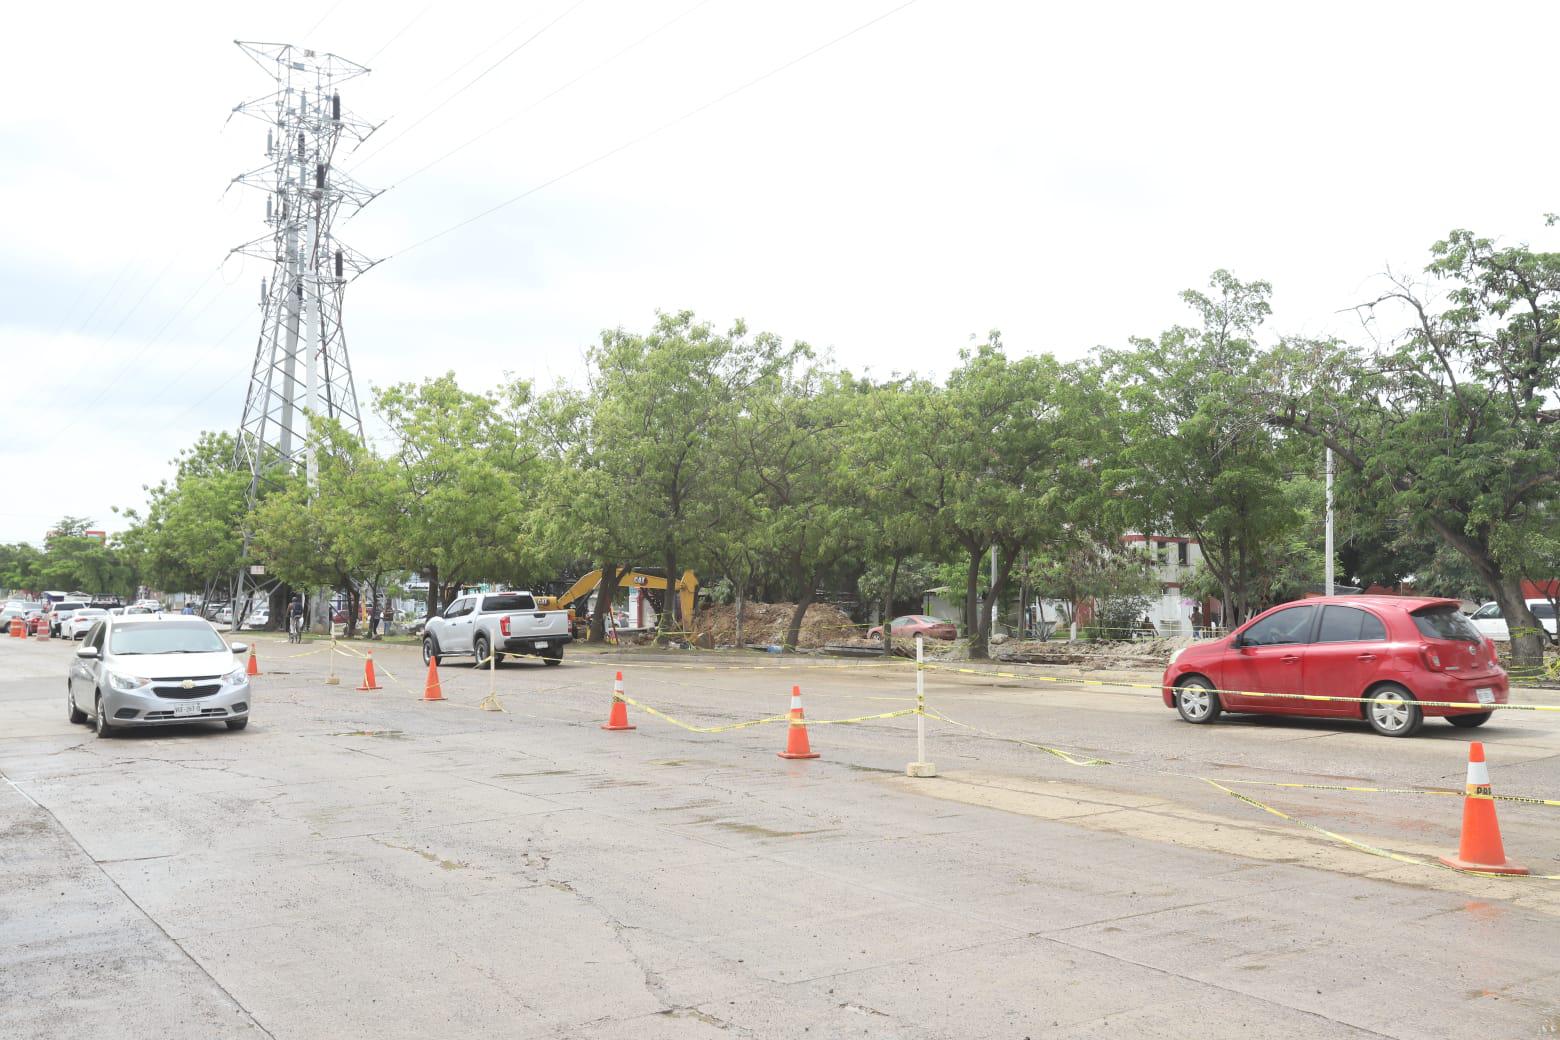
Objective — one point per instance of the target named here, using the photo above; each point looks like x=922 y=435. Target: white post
x=993 y=590
x=332 y=679
x=920 y=767
x=1329 y=538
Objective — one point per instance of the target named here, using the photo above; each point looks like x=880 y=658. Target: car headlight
x=1177 y=655
x=120 y=681
x=237 y=677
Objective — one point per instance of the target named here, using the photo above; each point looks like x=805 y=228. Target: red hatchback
x=1393 y=651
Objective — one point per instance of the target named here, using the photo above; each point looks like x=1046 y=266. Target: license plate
x=541 y=644
x=1485 y=695
x=186 y=709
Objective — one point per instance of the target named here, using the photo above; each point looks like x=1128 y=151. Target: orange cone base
x=618 y=718
x=1507 y=867
x=787 y=754
x=370 y=687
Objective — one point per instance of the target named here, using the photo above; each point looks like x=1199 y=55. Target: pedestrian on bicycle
x=295 y=620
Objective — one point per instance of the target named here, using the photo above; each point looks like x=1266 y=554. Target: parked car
x=1391 y=651
x=62 y=612
x=80 y=621
x=258 y=618
x=16 y=608
x=912 y=625
x=152 y=670
x=497 y=622
x=1490 y=622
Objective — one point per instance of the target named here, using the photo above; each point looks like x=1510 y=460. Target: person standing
x=373 y=620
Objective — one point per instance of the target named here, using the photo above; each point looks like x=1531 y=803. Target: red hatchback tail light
x=1430 y=656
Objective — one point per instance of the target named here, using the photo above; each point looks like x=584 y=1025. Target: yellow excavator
x=686 y=587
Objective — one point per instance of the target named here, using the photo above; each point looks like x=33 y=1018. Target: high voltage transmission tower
x=301 y=367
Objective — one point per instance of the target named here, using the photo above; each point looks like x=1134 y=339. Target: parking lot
x=370 y=864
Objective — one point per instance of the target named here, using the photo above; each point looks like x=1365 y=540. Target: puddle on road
x=444 y=864
x=385 y=734
x=539 y=772
x=754 y=830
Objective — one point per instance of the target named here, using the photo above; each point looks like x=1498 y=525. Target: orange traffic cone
x=1481 y=848
x=253 y=667
x=796 y=745
x=618 y=717
x=431 y=690
x=368 y=673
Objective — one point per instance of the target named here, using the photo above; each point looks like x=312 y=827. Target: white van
x=1488 y=620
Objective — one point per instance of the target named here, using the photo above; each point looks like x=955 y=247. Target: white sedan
x=75 y=626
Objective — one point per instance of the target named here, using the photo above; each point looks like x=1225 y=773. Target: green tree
x=191 y=535
x=658 y=402
x=466 y=481
x=1453 y=420
x=1197 y=458
x=791 y=442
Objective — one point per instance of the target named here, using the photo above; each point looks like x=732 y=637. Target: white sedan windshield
x=166 y=637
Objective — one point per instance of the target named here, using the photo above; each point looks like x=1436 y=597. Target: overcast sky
x=1058 y=172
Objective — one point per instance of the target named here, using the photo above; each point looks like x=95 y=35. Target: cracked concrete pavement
x=368 y=865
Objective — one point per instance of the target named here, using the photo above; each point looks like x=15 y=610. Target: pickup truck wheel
x=553 y=656
x=431 y=651
x=481 y=647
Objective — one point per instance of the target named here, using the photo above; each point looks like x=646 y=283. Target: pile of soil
x=766 y=623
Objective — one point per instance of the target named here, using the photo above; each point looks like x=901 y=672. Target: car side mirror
x=1239 y=642
x=88 y=653
x=239 y=648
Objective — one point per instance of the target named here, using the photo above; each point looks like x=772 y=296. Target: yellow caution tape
x=1065 y=756
x=1440 y=792
x=1361 y=846
x=1310 y=697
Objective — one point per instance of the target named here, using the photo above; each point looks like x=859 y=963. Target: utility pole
x=1328 y=549
x=301 y=301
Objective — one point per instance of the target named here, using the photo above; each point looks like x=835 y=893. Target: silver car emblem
x=188 y=684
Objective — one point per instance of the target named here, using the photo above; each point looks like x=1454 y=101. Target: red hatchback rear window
x=1446 y=622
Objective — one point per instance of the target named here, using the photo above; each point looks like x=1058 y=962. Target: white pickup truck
x=499 y=623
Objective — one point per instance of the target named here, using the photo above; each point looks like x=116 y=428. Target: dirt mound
x=767 y=622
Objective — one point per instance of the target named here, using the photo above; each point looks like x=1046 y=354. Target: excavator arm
x=686 y=587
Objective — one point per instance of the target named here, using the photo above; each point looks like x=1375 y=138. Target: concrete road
x=369 y=865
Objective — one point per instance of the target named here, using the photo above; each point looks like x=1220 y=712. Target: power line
x=104 y=298
x=549 y=96
x=733 y=92
x=178 y=312
x=402 y=32
x=474 y=81
x=323 y=17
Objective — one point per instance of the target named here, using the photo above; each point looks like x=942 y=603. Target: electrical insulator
x=301 y=147
x=270 y=146
x=335 y=107
x=262 y=292
x=268 y=209
x=319 y=176
x=338 y=265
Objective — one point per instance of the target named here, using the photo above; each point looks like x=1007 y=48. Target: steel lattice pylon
x=301 y=366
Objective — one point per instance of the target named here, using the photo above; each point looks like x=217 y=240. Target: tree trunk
x=606 y=592
x=888 y=606
x=433 y=604
x=670 y=617
x=1527 y=632
x=971 y=584
x=354 y=600
x=741 y=602
x=979 y=646
x=793 y=632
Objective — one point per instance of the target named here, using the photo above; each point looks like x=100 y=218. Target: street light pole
x=1329 y=539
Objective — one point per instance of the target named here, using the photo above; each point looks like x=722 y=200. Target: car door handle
x=1366 y=657
x=1290 y=658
